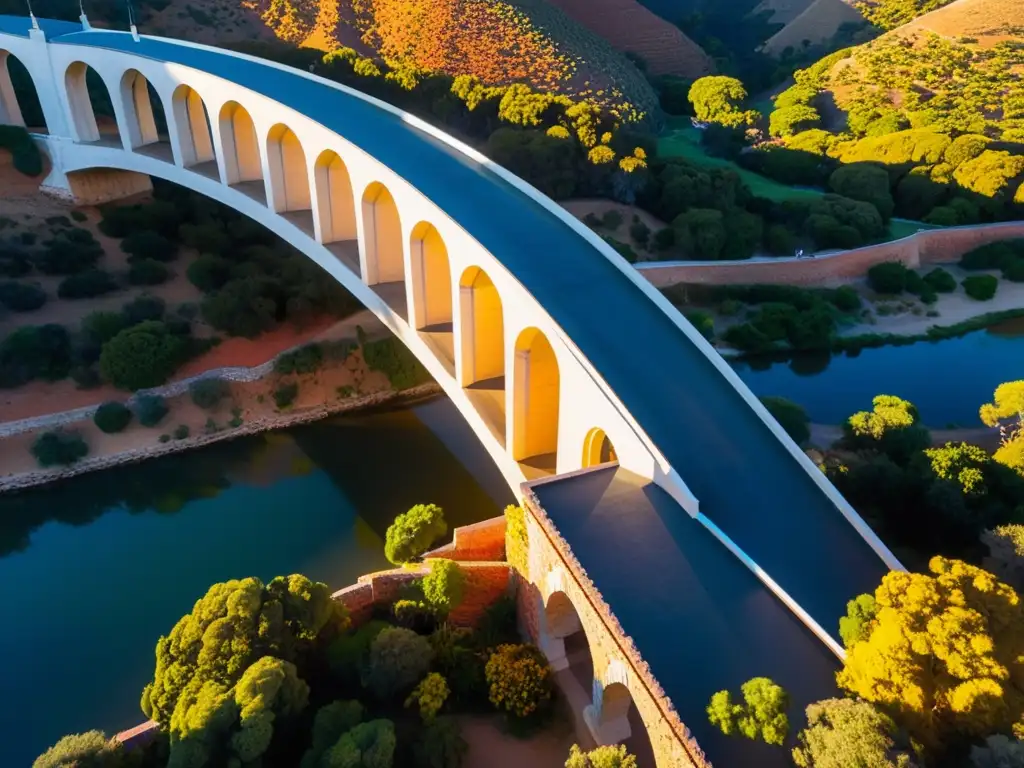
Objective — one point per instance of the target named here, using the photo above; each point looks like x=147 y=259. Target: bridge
x=674 y=530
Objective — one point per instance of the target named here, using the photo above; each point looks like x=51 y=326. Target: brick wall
x=481 y=541
x=928 y=247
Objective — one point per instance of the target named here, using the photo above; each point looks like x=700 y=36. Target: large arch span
x=551 y=346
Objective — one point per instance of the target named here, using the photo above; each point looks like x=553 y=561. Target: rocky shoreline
x=285 y=420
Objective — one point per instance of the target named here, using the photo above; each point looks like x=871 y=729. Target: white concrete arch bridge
x=671 y=519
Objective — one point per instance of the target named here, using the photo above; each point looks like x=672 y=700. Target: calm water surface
x=94 y=570
x=947 y=380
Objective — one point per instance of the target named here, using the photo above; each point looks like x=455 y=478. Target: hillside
x=631 y=27
x=817 y=23
x=783 y=11
x=990 y=21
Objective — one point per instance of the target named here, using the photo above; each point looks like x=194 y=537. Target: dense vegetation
x=889 y=14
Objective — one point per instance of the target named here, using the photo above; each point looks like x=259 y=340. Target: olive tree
x=414 y=532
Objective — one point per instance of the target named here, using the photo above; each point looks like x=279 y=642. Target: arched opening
x=242 y=165
x=335 y=205
x=289 y=177
x=432 y=290
x=535 y=397
x=147 y=124
x=382 y=229
x=195 y=137
x=19 y=100
x=598 y=449
x=482 y=348
x=92 y=111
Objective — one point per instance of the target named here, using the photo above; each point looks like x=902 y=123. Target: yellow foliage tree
x=945 y=653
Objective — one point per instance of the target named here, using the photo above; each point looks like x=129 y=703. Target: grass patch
x=390 y=357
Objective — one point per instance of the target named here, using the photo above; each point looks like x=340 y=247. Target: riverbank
x=825 y=436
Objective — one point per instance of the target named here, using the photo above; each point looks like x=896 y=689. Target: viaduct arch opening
x=289 y=177
x=243 y=168
x=385 y=254
x=336 y=207
x=19 y=100
x=144 y=113
x=432 y=290
x=195 y=137
x=482 y=348
x=597 y=449
x=92 y=111
x=535 y=404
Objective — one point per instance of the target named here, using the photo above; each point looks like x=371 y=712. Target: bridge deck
x=745 y=479
x=700 y=619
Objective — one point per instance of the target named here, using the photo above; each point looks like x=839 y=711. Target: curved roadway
x=746 y=480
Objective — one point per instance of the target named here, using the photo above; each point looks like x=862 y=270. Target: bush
x=601 y=757
x=398 y=659
x=35 y=352
x=414 y=532
x=993 y=256
x=664 y=239
x=142 y=356
x=181 y=432
x=149 y=245
x=59 y=448
x=21 y=297
x=148 y=272
x=285 y=394
x=209 y=273
x=429 y=696
x=85 y=750
x=791 y=417
x=440 y=745
x=762 y=715
x=243 y=307
x=940 y=280
x=415 y=615
x=612 y=219
x=87 y=284
x=26 y=157
x=703 y=322
x=86 y=377
x=207 y=393
x=307 y=359
x=14 y=263
x=980 y=287
x=640 y=233
x=890 y=277
x=394 y=360
x=845 y=299
x=150 y=409
x=445 y=585
x=519 y=678
x=69 y=252
x=143 y=308
x=112 y=417
x=347 y=655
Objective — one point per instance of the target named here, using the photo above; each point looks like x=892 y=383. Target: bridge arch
x=336 y=210
x=431 y=277
x=19 y=97
x=10 y=109
x=137 y=97
x=535 y=402
x=598 y=449
x=382 y=232
x=289 y=174
x=86 y=91
x=195 y=136
x=241 y=147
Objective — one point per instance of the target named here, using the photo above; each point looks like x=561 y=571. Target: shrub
x=347 y=655
x=601 y=757
x=59 y=448
x=415 y=615
x=993 y=255
x=14 y=263
x=394 y=360
x=940 y=280
x=68 y=252
x=791 y=417
x=440 y=745
x=331 y=722
x=89 y=750
x=143 y=308
x=640 y=233
x=87 y=284
x=86 y=377
x=209 y=273
x=445 y=585
x=519 y=678
x=845 y=299
x=181 y=432
x=285 y=394
x=414 y=532
x=980 y=287
x=148 y=272
x=703 y=322
x=149 y=245
x=762 y=715
x=21 y=297
x=150 y=409
x=142 y=356
x=307 y=359
x=664 y=239
x=429 y=696
x=112 y=417
x=35 y=352
x=890 y=277
x=207 y=393
x=844 y=732
x=79 y=216
x=26 y=157
x=611 y=219
x=398 y=658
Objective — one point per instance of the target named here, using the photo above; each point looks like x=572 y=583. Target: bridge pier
x=88 y=187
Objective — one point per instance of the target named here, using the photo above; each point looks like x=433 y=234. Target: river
x=947 y=380
x=95 y=569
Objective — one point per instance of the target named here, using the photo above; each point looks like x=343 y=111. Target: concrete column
x=49 y=84
x=607 y=725
x=518 y=416
x=465 y=337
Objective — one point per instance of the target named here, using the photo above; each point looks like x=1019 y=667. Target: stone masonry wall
x=481 y=541
x=923 y=248
x=553 y=568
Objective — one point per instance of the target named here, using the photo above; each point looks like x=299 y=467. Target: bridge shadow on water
x=701 y=620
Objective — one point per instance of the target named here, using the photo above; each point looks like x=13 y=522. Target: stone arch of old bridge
x=536 y=329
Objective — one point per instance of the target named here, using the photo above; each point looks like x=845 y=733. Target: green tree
x=865 y=182
x=59 y=448
x=234 y=624
x=701 y=231
x=207 y=393
x=148 y=272
x=945 y=653
x=82 y=750
x=601 y=757
x=367 y=745
x=102 y=326
x=429 y=696
x=791 y=417
x=414 y=532
x=398 y=659
x=789 y=121
x=149 y=245
x=331 y=722
x=21 y=297
x=519 y=679
x=891 y=427
x=209 y=273
x=762 y=715
x=87 y=284
x=445 y=585
x=980 y=287
x=142 y=356
x=718 y=99
x=112 y=417
x=35 y=352
x=843 y=733
x=243 y=307
x=856 y=624
x=150 y=409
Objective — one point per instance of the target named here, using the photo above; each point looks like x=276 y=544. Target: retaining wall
x=481 y=541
